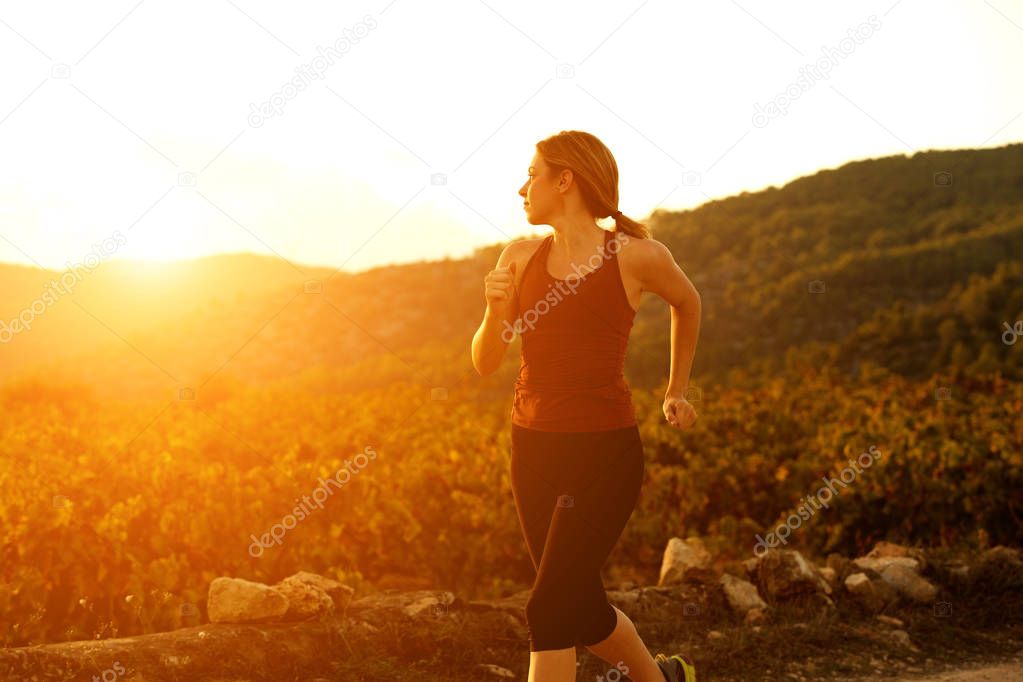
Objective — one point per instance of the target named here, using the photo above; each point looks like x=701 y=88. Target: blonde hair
x=594 y=169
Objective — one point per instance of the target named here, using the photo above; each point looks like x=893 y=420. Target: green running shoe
x=676 y=668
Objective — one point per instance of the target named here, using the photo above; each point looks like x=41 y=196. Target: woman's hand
x=500 y=289
x=678 y=411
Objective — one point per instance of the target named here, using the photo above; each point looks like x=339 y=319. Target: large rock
x=339 y=593
x=742 y=595
x=900 y=568
x=268 y=652
x=879 y=564
x=785 y=573
x=908 y=583
x=434 y=604
x=885 y=550
x=383 y=605
x=235 y=600
x=684 y=560
x=997 y=571
x=305 y=599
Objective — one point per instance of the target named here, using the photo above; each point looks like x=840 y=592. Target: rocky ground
x=896 y=612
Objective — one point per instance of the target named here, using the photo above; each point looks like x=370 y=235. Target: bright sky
x=138 y=117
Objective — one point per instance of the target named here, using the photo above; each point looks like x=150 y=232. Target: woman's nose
x=522 y=191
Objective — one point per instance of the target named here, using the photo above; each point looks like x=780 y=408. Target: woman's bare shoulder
x=640 y=252
x=521 y=250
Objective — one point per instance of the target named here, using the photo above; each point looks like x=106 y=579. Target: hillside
x=873 y=261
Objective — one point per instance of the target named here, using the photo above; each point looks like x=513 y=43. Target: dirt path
x=1009 y=671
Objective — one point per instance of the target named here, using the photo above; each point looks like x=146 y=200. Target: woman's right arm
x=497 y=329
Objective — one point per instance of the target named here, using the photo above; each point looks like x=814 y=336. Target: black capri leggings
x=574 y=493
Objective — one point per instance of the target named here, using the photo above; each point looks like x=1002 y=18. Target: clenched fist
x=679 y=412
x=500 y=289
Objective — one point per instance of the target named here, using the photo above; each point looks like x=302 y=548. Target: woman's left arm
x=662 y=275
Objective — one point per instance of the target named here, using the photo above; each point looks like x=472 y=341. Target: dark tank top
x=574 y=336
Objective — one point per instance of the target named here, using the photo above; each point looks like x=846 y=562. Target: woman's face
x=539 y=192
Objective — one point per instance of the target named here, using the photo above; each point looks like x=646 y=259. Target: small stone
x=714 y=635
x=754 y=616
x=498 y=671
x=901 y=637
x=741 y=594
x=872 y=594
x=862 y=589
x=751 y=567
x=879 y=564
x=856 y=582
x=889 y=620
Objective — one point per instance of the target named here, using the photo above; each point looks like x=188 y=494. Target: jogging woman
x=577 y=458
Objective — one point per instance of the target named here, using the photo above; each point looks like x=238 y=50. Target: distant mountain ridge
x=836 y=265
